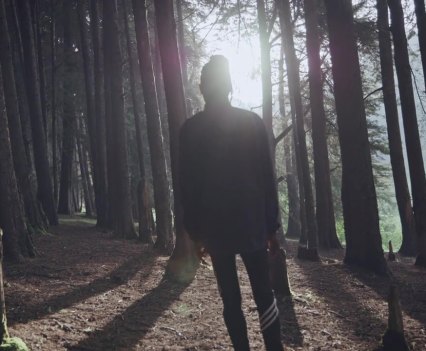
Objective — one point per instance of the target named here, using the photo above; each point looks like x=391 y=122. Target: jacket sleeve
x=269 y=180
x=187 y=187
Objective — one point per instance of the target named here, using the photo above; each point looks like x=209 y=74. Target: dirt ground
x=88 y=291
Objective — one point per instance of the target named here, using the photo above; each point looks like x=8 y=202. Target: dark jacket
x=228 y=187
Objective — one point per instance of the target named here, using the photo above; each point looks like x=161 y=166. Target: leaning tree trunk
x=69 y=115
x=394 y=134
x=184 y=261
x=411 y=129
x=360 y=212
x=116 y=136
x=308 y=249
x=44 y=181
x=324 y=199
x=155 y=138
x=101 y=196
x=16 y=240
x=421 y=26
x=33 y=210
x=145 y=230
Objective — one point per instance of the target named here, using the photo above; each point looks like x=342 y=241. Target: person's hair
x=215 y=77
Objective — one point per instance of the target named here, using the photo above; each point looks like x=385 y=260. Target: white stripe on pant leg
x=266 y=325
x=266 y=314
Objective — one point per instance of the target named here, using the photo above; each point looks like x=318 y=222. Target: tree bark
x=360 y=212
x=411 y=128
x=44 y=181
x=22 y=168
x=394 y=133
x=53 y=103
x=69 y=115
x=184 y=261
x=421 y=26
x=155 y=137
x=324 y=199
x=16 y=239
x=145 y=230
x=116 y=135
x=89 y=92
x=307 y=249
x=265 y=59
x=102 y=188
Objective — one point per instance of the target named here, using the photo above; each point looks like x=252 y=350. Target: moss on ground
x=13 y=344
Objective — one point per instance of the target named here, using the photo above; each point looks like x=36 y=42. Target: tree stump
x=394 y=339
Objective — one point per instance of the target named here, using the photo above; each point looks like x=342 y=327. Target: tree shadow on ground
x=411 y=281
x=290 y=329
x=125 y=330
x=349 y=306
x=119 y=276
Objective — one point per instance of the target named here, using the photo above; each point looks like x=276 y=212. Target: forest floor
x=88 y=291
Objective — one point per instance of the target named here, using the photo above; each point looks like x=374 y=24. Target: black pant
x=257 y=267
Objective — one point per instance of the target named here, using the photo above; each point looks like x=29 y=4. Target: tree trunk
x=265 y=59
x=45 y=191
x=184 y=261
x=394 y=134
x=116 y=136
x=155 y=138
x=421 y=26
x=22 y=167
x=40 y=61
x=181 y=45
x=306 y=250
x=360 y=212
x=293 y=222
x=411 y=129
x=69 y=115
x=17 y=240
x=145 y=230
x=324 y=199
x=53 y=103
x=101 y=186
x=84 y=172
x=89 y=90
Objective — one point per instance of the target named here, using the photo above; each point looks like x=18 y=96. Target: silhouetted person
x=230 y=200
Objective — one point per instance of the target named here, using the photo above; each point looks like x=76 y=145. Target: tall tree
x=155 y=137
x=53 y=101
x=119 y=187
x=33 y=210
x=421 y=26
x=145 y=230
x=394 y=133
x=44 y=181
x=184 y=261
x=411 y=128
x=265 y=59
x=16 y=239
x=360 y=212
x=324 y=201
x=69 y=115
x=89 y=89
x=101 y=183
x=309 y=241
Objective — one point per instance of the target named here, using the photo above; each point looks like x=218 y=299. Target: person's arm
x=187 y=186
x=269 y=181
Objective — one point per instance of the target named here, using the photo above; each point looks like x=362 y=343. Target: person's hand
x=273 y=245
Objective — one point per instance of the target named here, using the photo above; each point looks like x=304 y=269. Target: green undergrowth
x=13 y=344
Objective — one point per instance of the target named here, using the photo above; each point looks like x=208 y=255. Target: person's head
x=215 y=83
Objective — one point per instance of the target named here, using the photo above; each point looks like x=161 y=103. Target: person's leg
x=227 y=279
x=258 y=271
